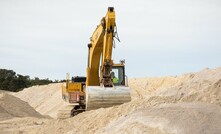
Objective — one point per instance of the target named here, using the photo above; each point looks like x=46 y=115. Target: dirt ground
x=189 y=103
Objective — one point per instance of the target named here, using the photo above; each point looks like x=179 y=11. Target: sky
x=48 y=38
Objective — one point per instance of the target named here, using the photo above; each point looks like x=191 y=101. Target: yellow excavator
x=105 y=84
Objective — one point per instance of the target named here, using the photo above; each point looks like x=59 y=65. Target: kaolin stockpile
x=190 y=103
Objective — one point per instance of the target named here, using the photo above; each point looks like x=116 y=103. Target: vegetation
x=11 y=81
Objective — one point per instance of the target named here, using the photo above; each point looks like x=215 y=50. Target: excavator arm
x=101 y=91
x=100 y=49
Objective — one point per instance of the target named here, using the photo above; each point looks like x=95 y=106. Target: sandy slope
x=181 y=118
x=190 y=103
x=44 y=99
x=11 y=107
x=17 y=115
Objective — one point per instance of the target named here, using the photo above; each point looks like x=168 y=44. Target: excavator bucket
x=102 y=97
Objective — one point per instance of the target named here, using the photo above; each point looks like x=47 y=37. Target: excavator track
x=70 y=111
x=65 y=112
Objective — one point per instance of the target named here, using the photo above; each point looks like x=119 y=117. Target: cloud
x=49 y=38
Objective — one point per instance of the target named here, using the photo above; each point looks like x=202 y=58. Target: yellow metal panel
x=74 y=87
x=118 y=65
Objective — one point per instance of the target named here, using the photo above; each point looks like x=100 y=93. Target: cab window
x=117 y=75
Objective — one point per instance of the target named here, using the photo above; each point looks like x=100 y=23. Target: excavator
x=105 y=84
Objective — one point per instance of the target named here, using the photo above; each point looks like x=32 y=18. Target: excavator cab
x=118 y=75
x=100 y=96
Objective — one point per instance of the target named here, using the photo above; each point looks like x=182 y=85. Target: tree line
x=11 y=81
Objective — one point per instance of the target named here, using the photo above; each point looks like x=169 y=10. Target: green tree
x=12 y=82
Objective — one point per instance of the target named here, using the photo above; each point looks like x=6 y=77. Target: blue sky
x=48 y=38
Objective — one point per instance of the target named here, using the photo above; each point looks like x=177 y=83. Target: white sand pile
x=204 y=86
x=17 y=116
x=46 y=99
x=25 y=125
x=190 y=103
x=180 y=118
x=11 y=106
x=185 y=104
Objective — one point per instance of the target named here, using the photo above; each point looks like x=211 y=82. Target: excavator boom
x=101 y=45
x=101 y=91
